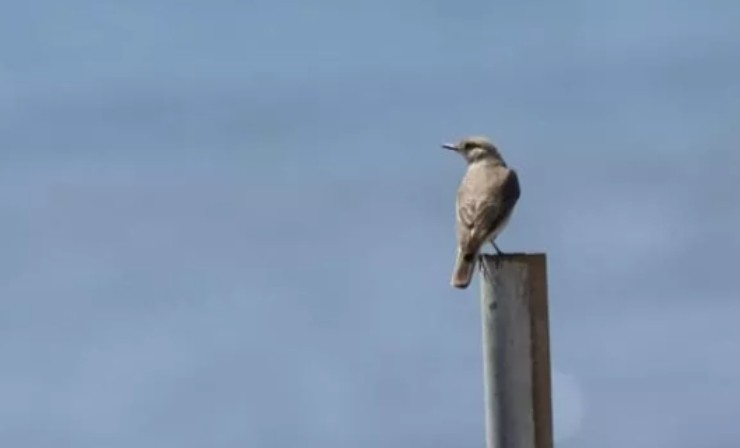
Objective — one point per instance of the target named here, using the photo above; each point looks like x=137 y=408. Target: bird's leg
x=498 y=251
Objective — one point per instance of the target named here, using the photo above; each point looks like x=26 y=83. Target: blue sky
x=230 y=223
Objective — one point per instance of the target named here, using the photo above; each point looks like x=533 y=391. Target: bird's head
x=475 y=148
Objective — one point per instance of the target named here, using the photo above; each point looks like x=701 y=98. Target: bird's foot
x=498 y=251
x=483 y=266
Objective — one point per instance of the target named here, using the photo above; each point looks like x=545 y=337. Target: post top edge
x=515 y=256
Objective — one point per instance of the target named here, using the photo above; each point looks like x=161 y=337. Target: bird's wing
x=484 y=200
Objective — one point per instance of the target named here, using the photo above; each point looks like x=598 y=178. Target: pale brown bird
x=485 y=200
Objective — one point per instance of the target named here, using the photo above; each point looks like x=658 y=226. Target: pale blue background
x=229 y=223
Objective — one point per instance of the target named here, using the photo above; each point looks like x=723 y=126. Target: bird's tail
x=464 y=269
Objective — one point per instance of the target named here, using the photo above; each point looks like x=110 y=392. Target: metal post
x=516 y=352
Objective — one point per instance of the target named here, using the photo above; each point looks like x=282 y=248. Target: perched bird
x=485 y=200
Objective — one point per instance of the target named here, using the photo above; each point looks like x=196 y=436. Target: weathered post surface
x=516 y=351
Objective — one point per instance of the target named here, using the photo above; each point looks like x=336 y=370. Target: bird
x=486 y=197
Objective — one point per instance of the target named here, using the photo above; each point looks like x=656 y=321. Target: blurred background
x=230 y=224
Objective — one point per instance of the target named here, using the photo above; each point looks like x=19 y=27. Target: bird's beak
x=450 y=146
